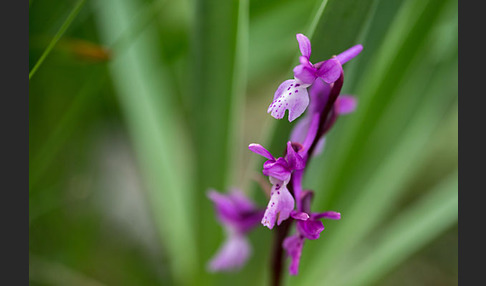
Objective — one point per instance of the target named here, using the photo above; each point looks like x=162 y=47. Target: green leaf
x=65 y=127
x=413 y=229
x=340 y=25
x=160 y=140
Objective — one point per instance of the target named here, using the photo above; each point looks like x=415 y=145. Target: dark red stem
x=278 y=252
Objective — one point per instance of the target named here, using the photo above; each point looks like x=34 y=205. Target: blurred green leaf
x=159 y=138
x=65 y=127
x=413 y=229
x=51 y=273
x=339 y=26
x=218 y=82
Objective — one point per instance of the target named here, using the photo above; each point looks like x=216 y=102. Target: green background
x=138 y=107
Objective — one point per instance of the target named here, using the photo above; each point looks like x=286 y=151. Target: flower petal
x=310 y=228
x=291 y=95
x=241 y=201
x=295 y=161
x=345 y=104
x=330 y=70
x=278 y=169
x=235 y=210
x=232 y=255
x=305 y=61
x=304 y=45
x=349 y=54
x=299 y=215
x=293 y=246
x=281 y=88
x=225 y=207
x=327 y=215
x=280 y=205
x=305 y=74
x=249 y=221
x=305 y=200
x=260 y=150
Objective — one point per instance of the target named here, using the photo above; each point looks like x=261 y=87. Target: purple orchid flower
x=292 y=94
x=238 y=215
x=279 y=171
x=309 y=226
x=307 y=73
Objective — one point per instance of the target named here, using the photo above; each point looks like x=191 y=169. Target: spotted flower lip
x=280 y=205
x=291 y=95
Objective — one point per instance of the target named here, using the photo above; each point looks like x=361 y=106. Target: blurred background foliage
x=137 y=107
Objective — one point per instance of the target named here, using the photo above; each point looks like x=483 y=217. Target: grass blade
x=57 y=36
